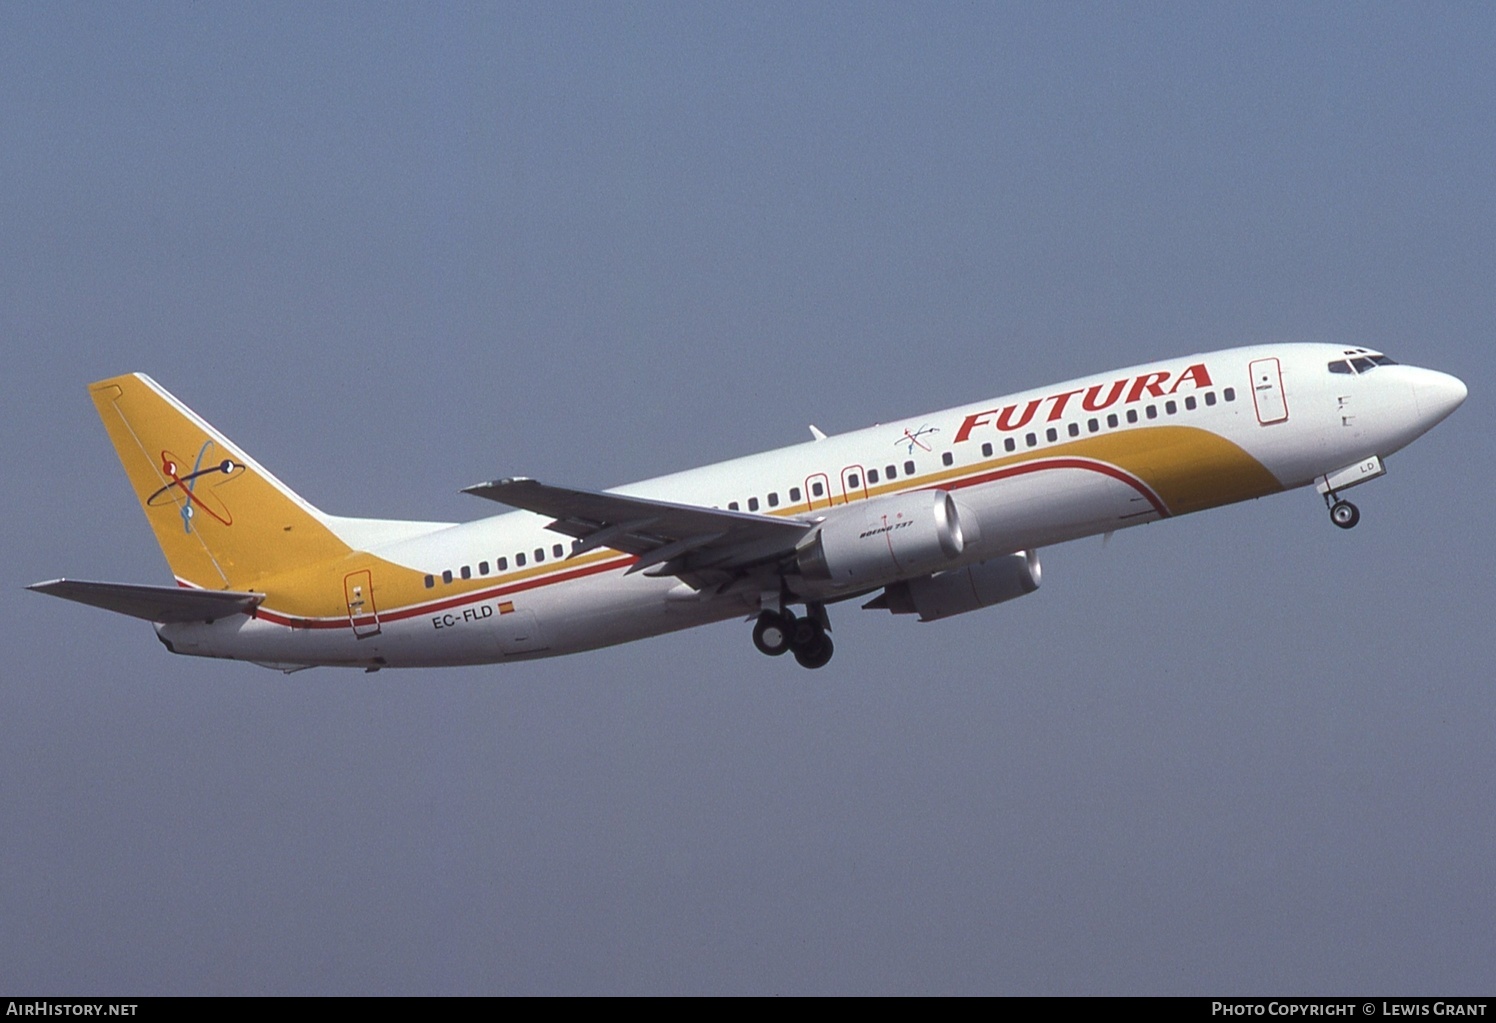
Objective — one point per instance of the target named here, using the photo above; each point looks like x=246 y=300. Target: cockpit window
x=1362 y=364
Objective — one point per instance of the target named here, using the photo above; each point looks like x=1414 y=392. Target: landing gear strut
x=779 y=632
x=1342 y=512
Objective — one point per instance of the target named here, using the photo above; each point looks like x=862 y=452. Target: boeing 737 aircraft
x=934 y=515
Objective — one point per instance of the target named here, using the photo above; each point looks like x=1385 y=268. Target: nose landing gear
x=1344 y=514
x=780 y=632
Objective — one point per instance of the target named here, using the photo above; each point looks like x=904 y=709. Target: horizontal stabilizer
x=154 y=603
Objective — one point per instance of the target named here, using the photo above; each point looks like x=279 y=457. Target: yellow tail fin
x=222 y=521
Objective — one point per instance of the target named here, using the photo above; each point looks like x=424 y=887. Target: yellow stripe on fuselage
x=316 y=591
x=1188 y=468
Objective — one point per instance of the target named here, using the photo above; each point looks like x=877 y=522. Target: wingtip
x=478 y=489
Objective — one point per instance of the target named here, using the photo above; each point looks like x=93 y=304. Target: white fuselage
x=1040 y=467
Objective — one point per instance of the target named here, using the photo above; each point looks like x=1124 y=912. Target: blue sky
x=396 y=250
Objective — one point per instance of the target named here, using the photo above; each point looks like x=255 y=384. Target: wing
x=703 y=546
x=153 y=603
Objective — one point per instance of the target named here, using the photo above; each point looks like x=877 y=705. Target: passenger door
x=1267 y=391
x=363 y=615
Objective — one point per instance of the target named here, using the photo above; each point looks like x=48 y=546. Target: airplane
x=935 y=515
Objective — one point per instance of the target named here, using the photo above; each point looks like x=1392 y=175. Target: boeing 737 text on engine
x=935 y=516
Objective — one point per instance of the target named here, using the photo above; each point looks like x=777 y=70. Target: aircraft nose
x=1438 y=394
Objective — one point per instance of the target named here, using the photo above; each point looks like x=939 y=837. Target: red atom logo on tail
x=182 y=487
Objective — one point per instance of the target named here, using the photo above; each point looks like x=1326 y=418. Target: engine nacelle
x=963 y=589
x=883 y=540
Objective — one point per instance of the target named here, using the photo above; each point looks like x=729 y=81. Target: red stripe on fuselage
x=1006 y=472
x=416 y=610
x=1040 y=464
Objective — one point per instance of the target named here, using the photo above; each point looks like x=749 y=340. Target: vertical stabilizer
x=222 y=521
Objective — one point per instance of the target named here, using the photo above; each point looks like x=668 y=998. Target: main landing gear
x=779 y=632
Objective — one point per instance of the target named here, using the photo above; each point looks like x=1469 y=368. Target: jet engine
x=887 y=538
x=963 y=589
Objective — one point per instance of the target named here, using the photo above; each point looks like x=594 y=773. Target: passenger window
x=946 y=458
x=1010 y=444
x=1111 y=421
x=1210 y=397
x=908 y=468
x=794 y=493
x=1189 y=403
x=447 y=576
x=987 y=449
x=482 y=568
x=503 y=564
x=1170 y=407
x=753 y=504
x=519 y=560
x=1075 y=429
x=430 y=581
x=539 y=555
x=1031 y=440
x=1052 y=434
x=467 y=572
x=1229 y=394
x=890 y=471
x=1152 y=411
x=557 y=550
x=1132 y=415
x=732 y=506
x=1092 y=425
x=852 y=482
x=872 y=475
x=817 y=489
x=773 y=499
